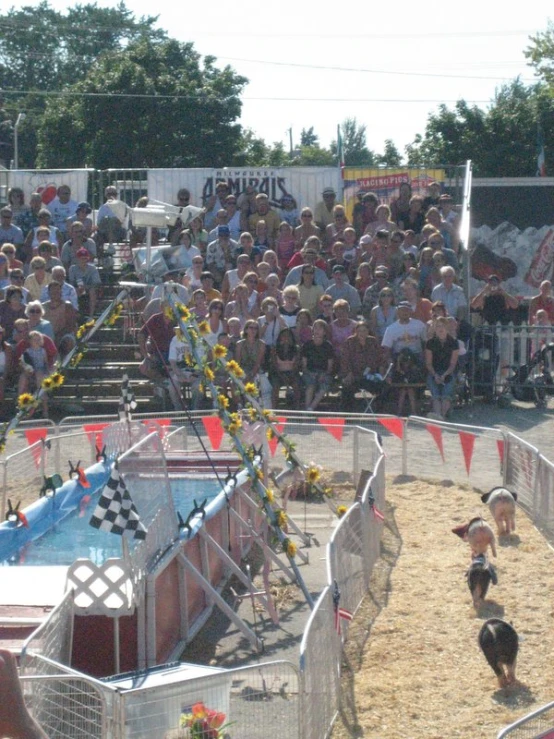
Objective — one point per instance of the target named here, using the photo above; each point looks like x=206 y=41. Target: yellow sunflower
x=168 y=312
x=183 y=311
x=341 y=510
x=47 y=384
x=208 y=372
x=280 y=518
x=234 y=368
x=270 y=434
x=233 y=428
x=204 y=328
x=251 y=388
x=219 y=351
x=57 y=379
x=270 y=495
x=252 y=413
x=25 y=400
x=223 y=400
x=312 y=475
x=289 y=547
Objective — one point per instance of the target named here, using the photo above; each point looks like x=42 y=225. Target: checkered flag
x=128 y=402
x=116 y=511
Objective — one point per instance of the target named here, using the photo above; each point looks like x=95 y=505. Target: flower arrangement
x=203 y=722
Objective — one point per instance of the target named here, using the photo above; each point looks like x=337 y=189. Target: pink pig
x=478 y=534
x=502 y=505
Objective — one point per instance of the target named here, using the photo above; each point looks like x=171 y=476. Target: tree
x=152 y=105
x=501 y=142
x=356 y=153
x=541 y=54
x=391 y=157
x=308 y=137
x=43 y=50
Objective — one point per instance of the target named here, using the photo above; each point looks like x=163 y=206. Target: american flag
x=115 y=511
x=340 y=613
x=373 y=508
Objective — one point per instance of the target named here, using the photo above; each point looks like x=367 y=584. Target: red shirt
x=48 y=346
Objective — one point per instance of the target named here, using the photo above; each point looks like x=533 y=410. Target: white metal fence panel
x=66 y=704
x=54 y=637
x=258 y=702
x=536 y=725
x=320 y=654
x=522 y=464
x=347 y=558
x=544 y=497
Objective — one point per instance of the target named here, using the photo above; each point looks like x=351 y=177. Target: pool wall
x=46 y=512
x=168 y=601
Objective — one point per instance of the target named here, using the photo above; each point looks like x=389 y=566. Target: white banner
x=305 y=184
x=46 y=182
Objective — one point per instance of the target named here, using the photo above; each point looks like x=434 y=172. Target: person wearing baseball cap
x=85 y=278
x=82 y=214
x=323 y=212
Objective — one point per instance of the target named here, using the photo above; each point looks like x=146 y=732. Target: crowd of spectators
x=49 y=283
x=306 y=299
x=310 y=299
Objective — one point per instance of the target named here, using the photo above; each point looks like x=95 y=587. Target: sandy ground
x=412 y=666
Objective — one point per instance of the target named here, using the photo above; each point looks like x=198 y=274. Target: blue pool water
x=73 y=537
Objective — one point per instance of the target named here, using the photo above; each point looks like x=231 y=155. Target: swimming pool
x=63 y=534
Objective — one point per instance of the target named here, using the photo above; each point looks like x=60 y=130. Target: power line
x=149 y=96
x=360 y=69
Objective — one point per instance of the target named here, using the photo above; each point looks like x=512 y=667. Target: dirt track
x=412 y=665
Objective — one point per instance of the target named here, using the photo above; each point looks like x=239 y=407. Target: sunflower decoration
x=203 y=328
x=219 y=351
x=76 y=359
x=80 y=332
x=182 y=311
x=168 y=312
x=270 y=434
x=116 y=313
x=209 y=374
x=289 y=547
x=25 y=401
x=234 y=368
x=47 y=384
x=2 y=444
x=270 y=495
x=57 y=379
x=252 y=413
x=341 y=510
x=193 y=336
x=313 y=475
x=223 y=400
x=250 y=388
x=280 y=519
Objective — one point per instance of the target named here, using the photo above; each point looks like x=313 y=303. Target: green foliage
x=501 y=142
x=356 y=153
x=391 y=157
x=308 y=137
x=190 y=124
x=541 y=54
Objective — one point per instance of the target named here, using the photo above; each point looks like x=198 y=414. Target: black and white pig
x=499 y=643
x=479 y=576
x=478 y=534
x=502 y=505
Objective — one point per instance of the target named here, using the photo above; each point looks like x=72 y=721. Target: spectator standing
x=324 y=211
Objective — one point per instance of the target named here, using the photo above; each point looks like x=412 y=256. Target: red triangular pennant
x=214 y=429
x=500 y=447
x=94 y=432
x=436 y=433
x=467 y=441
x=279 y=425
x=334 y=426
x=394 y=425
x=32 y=436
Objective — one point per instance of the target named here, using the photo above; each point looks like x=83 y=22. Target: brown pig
x=478 y=534
x=502 y=505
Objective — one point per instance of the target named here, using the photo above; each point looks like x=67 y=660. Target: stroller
x=533 y=381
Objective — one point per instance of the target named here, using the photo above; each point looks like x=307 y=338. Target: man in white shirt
x=62 y=208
